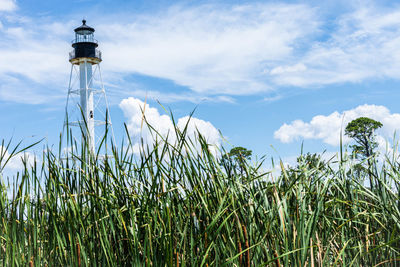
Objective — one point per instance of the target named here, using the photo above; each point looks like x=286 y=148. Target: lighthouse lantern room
x=84 y=44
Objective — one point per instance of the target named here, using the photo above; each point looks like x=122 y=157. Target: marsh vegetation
x=180 y=204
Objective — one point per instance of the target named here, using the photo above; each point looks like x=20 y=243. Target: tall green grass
x=178 y=204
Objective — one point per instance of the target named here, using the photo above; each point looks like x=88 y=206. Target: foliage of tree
x=239 y=153
x=310 y=163
x=362 y=131
x=236 y=159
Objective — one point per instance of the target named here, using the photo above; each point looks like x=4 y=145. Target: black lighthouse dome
x=84 y=29
x=84 y=44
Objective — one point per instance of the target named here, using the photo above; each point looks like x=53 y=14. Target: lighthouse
x=87 y=104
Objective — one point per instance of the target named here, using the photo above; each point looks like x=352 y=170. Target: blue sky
x=265 y=73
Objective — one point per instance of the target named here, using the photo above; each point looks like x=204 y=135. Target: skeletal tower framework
x=87 y=105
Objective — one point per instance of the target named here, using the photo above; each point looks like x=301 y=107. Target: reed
x=179 y=204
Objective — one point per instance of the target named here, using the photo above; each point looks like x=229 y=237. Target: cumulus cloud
x=327 y=127
x=7 y=5
x=134 y=110
x=16 y=161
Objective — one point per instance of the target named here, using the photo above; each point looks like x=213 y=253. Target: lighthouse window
x=84 y=37
x=91 y=114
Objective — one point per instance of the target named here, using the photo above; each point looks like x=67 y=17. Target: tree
x=236 y=159
x=307 y=162
x=240 y=154
x=362 y=130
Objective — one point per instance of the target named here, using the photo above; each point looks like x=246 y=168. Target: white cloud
x=215 y=50
x=299 y=67
x=327 y=128
x=134 y=109
x=16 y=161
x=176 y=97
x=38 y=54
x=363 y=45
x=7 y=5
x=208 y=48
x=33 y=61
